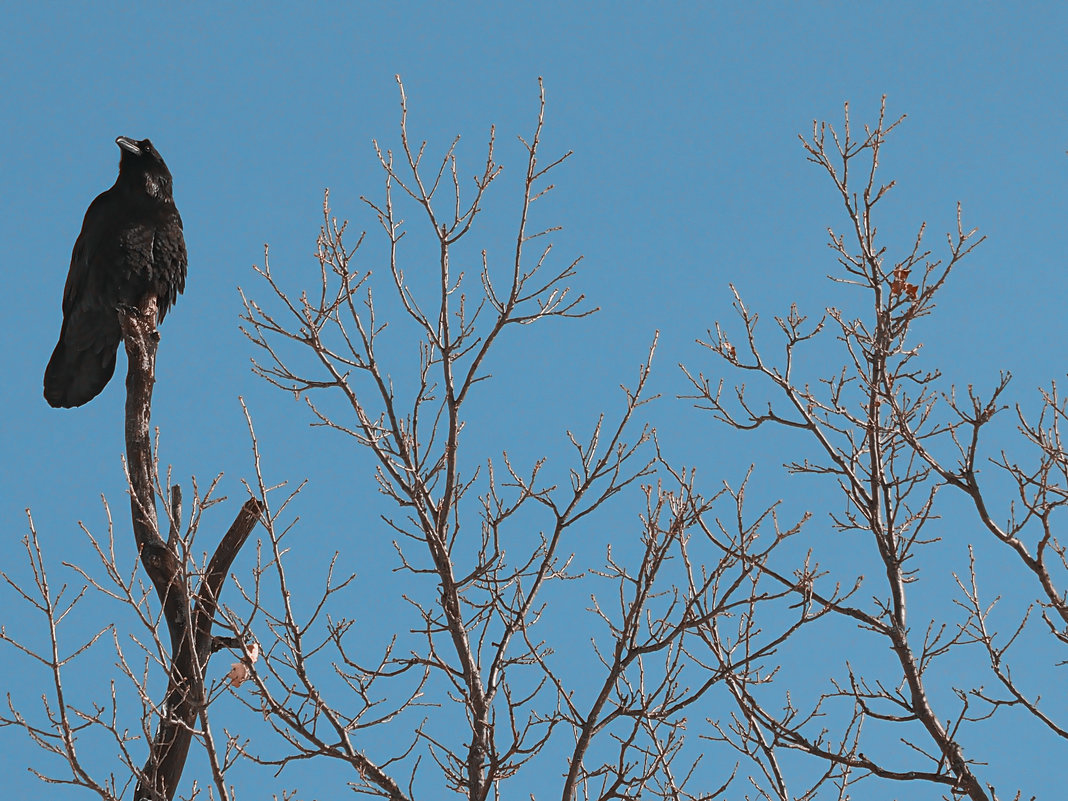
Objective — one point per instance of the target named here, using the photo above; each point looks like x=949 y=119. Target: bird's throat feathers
x=148 y=182
x=146 y=173
x=155 y=188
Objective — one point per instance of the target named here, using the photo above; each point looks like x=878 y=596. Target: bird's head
x=142 y=163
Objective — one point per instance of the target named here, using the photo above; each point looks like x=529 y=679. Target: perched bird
x=131 y=246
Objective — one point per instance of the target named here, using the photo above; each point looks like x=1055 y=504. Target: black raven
x=131 y=246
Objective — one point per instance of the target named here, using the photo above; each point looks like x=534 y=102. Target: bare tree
x=501 y=694
x=883 y=432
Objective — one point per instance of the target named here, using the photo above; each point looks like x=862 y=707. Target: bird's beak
x=129 y=145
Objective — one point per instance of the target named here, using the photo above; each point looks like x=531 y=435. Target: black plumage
x=131 y=246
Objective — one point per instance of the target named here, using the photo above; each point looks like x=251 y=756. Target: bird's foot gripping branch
x=189 y=616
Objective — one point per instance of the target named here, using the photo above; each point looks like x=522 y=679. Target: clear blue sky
x=687 y=175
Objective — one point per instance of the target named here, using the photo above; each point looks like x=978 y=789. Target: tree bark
x=189 y=618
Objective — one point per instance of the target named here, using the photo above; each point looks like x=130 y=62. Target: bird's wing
x=169 y=259
x=78 y=274
x=87 y=250
x=84 y=358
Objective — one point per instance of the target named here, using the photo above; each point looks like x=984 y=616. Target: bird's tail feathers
x=79 y=371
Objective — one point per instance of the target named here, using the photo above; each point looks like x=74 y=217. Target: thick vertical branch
x=190 y=631
x=160 y=561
